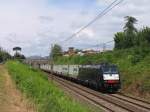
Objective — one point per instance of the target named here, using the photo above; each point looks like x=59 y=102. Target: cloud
x=103 y=2
x=88 y=33
x=35 y=24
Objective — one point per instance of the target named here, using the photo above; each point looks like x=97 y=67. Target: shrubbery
x=4 y=55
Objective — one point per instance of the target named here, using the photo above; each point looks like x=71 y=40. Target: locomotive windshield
x=110 y=70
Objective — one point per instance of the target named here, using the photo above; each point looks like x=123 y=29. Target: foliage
x=17 y=49
x=120 y=40
x=143 y=37
x=19 y=56
x=129 y=27
x=56 y=51
x=44 y=93
x=4 y=55
x=131 y=37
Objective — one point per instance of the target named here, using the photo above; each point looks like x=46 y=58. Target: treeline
x=4 y=55
x=131 y=37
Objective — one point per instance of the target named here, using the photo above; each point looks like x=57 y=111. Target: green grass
x=134 y=66
x=35 y=85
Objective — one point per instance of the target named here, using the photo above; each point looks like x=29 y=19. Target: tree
x=146 y=34
x=143 y=37
x=127 y=39
x=56 y=51
x=16 y=49
x=18 y=55
x=130 y=31
x=119 y=40
x=129 y=26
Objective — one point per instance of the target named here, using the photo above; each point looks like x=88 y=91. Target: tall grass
x=35 y=85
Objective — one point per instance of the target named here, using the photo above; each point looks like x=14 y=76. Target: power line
x=104 y=12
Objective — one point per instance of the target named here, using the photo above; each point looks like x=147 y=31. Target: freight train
x=103 y=77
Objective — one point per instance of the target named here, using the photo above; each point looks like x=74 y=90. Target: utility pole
x=104 y=47
x=99 y=47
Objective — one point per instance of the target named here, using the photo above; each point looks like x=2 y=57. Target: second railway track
x=132 y=100
x=111 y=103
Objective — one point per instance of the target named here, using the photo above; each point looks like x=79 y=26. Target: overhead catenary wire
x=100 y=15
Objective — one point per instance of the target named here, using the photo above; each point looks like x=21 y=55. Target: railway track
x=108 y=107
x=137 y=99
x=133 y=100
x=110 y=103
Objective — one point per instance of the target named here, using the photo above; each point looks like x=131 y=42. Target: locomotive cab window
x=110 y=70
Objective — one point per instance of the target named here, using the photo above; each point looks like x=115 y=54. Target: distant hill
x=34 y=57
x=38 y=57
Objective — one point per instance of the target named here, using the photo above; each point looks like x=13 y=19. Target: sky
x=36 y=24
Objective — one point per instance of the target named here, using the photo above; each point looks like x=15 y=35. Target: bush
x=135 y=59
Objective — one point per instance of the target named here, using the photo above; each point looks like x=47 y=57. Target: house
x=66 y=54
x=89 y=51
x=71 y=52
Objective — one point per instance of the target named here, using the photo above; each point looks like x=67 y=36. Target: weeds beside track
x=35 y=85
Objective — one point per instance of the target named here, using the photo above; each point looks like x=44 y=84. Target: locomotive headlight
x=116 y=76
x=111 y=76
